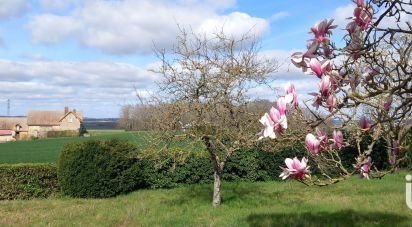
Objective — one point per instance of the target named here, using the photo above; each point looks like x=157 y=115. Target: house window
x=70 y=120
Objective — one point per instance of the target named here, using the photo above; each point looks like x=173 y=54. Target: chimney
x=74 y=110
x=66 y=109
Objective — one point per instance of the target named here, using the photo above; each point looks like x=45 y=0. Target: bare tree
x=137 y=117
x=205 y=83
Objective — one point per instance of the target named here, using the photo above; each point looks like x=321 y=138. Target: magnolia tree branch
x=373 y=73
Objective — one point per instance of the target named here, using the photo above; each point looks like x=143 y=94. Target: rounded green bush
x=99 y=169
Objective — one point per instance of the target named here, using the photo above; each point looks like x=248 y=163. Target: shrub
x=158 y=172
x=26 y=181
x=379 y=154
x=161 y=171
x=196 y=170
x=98 y=169
x=246 y=165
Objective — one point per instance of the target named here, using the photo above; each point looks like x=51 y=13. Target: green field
x=354 y=202
x=48 y=150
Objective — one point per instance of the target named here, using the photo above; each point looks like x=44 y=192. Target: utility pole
x=8 y=107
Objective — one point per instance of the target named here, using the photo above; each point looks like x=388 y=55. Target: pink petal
x=281 y=105
x=331 y=102
x=316 y=67
x=289 y=163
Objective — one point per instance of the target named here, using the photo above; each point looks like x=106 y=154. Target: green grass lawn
x=354 y=202
x=48 y=150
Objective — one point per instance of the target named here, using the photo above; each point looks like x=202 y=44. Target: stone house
x=13 y=128
x=6 y=135
x=42 y=124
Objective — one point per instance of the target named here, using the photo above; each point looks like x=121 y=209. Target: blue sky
x=92 y=54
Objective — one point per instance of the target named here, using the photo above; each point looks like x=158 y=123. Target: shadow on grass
x=341 y=218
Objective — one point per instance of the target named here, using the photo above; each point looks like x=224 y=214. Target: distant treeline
x=101 y=123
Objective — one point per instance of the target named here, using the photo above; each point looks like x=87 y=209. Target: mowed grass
x=354 y=202
x=48 y=150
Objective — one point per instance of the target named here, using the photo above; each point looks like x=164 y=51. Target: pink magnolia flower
x=324 y=86
x=363 y=16
x=352 y=27
x=356 y=44
x=320 y=68
x=291 y=95
x=312 y=143
x=326 y=67
x=295 y=168
x=312 y=48
x=387 y=104
x=317 y=100
x=335 y=79
x=327 y=51
x=274 y=123
x=281 y=105
x=297 y=60
x=290 y=88
x=365 y=168
x=331 y=102
x=338 y=139
x=269 y=126
x=359 y=2
x=301 y=60
x=279 y=120
x=365 y=124
x=322 y=136
x=323 y=30
x=316 y=67
x=369 y=73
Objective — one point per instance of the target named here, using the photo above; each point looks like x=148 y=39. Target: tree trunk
x=217 y=189
x=218 y=171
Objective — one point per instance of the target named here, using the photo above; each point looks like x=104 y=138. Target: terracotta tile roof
x=6 y=132
x=48 y=117
x=9 y=123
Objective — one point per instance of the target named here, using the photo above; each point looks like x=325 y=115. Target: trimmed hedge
x=245 y=165
x=196 y=169
x=105 y=168
x=99 y=169
x=26 y=181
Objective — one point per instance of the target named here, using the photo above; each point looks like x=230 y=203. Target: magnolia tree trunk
x=217 y=189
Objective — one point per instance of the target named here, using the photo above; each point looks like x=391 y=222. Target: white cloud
x=49 y=28
x=230 y=25
x=304 y=84
x=392 y=22
x=342 y=13
x=85 y=85
x=286 y=70
x=11 y=8
x=56 y=5
x=217 y=4
x=132 y=26
x=278 y=16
